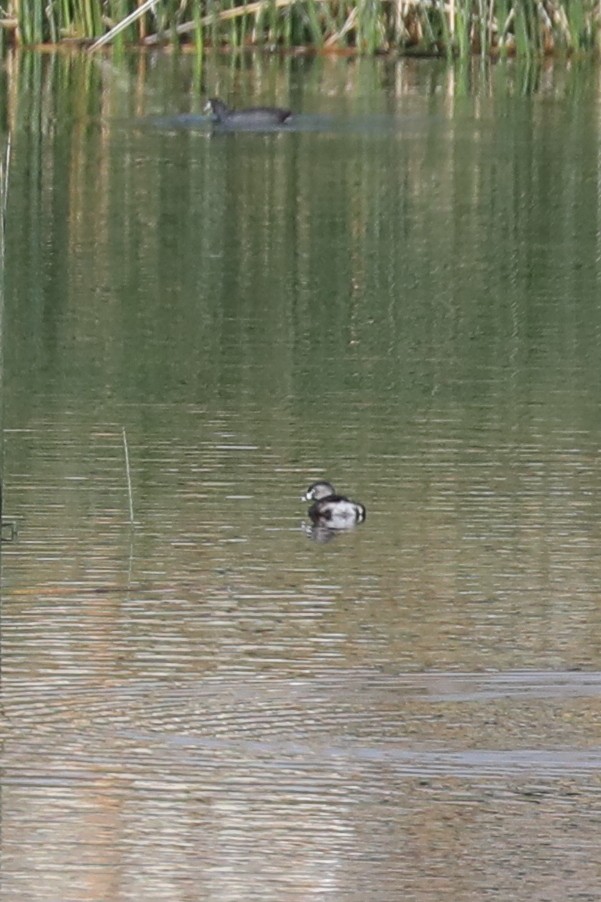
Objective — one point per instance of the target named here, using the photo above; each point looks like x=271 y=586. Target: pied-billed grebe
x=332 y=510
x=257 y=116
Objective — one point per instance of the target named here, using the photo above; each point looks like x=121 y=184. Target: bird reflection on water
x=330 y=513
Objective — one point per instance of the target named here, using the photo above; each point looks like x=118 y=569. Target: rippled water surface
x=401 y=295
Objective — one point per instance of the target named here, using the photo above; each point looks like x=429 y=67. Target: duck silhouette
x=331 y=510
x=252 y=117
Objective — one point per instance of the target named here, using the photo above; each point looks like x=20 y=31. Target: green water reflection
x=454 y=256
x=402 y=294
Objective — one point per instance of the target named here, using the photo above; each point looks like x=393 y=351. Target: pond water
x=401 y=293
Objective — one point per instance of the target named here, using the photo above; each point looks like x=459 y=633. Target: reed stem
x=490 y=27
x=128 y=477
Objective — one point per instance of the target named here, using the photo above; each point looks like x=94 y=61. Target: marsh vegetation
x=432 y=27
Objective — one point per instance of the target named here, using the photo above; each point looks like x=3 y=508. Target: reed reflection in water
x=211 y=705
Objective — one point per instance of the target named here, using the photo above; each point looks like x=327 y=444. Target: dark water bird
x=253 y=117
x=331 y=510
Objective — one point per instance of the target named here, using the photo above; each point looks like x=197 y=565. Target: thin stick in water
x=128 y=475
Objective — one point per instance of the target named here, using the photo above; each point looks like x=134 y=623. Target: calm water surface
x=401 y=293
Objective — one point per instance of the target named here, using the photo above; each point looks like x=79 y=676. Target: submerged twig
x=4 y=175
x=128 y=476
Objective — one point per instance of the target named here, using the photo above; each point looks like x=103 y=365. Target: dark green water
x=402 y=292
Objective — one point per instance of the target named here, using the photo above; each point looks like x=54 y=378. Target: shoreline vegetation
x=451 y=28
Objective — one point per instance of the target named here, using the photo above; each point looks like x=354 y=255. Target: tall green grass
x=444 y=27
